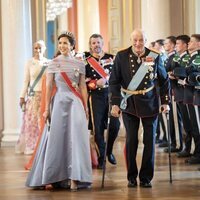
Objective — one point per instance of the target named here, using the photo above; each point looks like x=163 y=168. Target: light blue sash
x=136 y=80
x=31 y=91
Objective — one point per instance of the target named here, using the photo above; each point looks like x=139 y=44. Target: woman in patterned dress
x=30 y=100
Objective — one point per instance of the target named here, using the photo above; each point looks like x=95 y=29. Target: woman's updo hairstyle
x=41 y=43
x=69 y=36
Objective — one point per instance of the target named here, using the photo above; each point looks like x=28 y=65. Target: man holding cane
x=134 y=75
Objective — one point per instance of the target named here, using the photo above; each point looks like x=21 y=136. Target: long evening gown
x=64 y=150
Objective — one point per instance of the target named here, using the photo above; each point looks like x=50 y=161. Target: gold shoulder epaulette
x=121 y=49
x=155 y=51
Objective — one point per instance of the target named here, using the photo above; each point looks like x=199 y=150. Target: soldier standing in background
x=179 y=73
x=169 y=46
x=191 y=95
x=159 y=46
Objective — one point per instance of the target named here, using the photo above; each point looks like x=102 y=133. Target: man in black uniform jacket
x=169 y=45
x=192 y=95
x=139 y=65
x=159 y=46
x=98 y=98
x=180 y=74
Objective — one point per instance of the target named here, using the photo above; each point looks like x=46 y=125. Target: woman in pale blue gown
x=63 y=156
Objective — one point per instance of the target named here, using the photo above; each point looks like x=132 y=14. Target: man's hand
x=115 y=111
x=164 y=108
x=171 y=76
x=182 y=82
x=101 y=82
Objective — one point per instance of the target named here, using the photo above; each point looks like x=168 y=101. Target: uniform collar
x=171 y=53
x=184 y=53
x=98 y=57
x=194 y=53
x=140 y=55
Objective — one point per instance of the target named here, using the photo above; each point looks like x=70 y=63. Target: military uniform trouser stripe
x=93 y=126
x=178 y=131
x=196 y=108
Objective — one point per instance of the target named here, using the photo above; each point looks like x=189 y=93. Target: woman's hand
x=87 y=113
x=21 y=101
x=46 y=115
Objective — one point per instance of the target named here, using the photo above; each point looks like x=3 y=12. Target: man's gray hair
x=141 y=32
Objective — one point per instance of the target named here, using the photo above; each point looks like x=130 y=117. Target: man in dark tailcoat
x=134 y=74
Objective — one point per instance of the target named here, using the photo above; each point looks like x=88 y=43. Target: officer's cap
x=194 y=79
x=180 y=72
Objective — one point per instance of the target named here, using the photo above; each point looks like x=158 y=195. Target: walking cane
x=169 y=147
x=107 y=135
